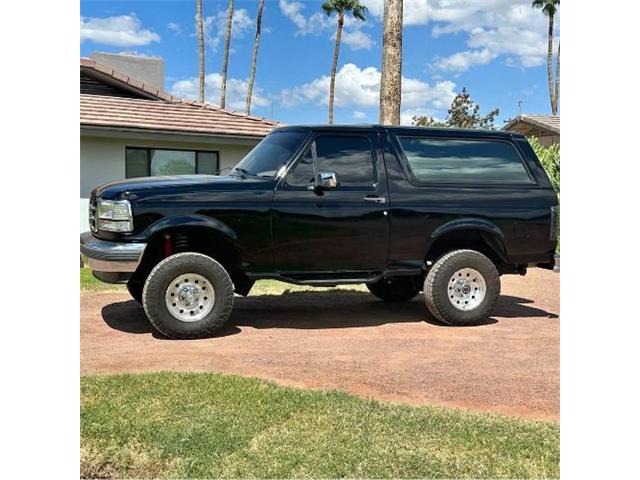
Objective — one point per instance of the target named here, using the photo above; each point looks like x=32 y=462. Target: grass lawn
x=202 y=425
x=89 y=283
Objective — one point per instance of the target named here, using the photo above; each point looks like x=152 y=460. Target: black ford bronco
x=402 y=209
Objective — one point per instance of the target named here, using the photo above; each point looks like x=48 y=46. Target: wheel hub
x=467 y=289
x=190 y=297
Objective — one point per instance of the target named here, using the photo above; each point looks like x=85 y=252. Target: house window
x=144 y=162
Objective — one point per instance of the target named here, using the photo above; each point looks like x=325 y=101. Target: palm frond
x=548 y=7
x=329 y=7
x=359 y=12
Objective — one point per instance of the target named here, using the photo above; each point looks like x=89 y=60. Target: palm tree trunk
x=391 y=78
x=200 y=47
x=225 y=58
x=550 y=66
x=334 y=65
x=557 y=89
x=254 y=57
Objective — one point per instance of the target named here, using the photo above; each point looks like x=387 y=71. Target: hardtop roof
x=403 y=130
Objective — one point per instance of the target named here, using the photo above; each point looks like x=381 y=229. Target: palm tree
x=254 y=57
x=391 y=76
x=340 y=7
x=225 y=57
x=200 y=46
x=549 y=8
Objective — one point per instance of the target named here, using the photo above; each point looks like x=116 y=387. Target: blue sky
x=495 y=48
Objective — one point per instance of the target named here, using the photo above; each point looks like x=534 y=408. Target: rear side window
x=462 y=160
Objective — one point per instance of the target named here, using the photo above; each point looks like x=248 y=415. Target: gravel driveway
x=354 y=342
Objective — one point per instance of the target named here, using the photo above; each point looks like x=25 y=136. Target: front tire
x=395 y=289
x=188 y=295
x=462 y=287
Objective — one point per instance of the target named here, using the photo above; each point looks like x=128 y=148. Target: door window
x=349 y=157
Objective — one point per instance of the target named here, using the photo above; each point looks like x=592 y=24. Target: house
x=130 y=127
x=545 y=128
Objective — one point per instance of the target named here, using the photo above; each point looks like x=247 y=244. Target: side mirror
x=326 y=181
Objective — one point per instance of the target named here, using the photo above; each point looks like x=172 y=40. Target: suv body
x=327 y=205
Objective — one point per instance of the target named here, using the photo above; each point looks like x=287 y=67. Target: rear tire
x=462 y=287
x=395 y=289
x=188 y=295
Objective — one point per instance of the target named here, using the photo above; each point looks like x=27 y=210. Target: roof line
x=90 y=64
x=531 y=120
x=121 y=128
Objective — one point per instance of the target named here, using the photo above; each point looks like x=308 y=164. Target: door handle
x=374 y=199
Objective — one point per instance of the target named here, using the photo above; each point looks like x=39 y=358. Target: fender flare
x=490 y=232
x=195 y=220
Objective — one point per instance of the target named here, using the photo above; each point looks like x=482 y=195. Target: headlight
x=114 y=216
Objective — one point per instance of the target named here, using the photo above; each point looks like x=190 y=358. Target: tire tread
x=434 y=302
x=226 y=297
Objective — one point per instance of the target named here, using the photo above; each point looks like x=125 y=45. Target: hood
x=125 y=188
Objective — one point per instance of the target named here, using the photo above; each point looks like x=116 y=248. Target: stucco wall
x=548 y=140
x=102 y=160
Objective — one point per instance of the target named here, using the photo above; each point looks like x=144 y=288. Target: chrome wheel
x=190 y=297
x=467 y=289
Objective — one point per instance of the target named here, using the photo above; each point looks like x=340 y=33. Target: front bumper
x=111 y=262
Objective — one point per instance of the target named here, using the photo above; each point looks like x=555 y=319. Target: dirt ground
x=354 y=342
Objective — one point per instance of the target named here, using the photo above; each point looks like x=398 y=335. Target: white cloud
x=461 y=61
x=360 y=87
x=406 y=115
x=291 y=10
x=357 y=40
x=318 y=23
x=359 y=115
x=215 y=26
x=119 y=31
x=414 y=12
x=494 y=28
x=236 y=91
x=314 y=24
x=174 y=27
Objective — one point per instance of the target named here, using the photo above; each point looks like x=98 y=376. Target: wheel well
x=193 y=239
x=484 y=242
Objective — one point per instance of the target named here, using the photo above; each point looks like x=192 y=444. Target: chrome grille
x=92 y=214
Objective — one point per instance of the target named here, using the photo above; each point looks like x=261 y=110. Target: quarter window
x=302 y=174
x=141 y=162
x=433 y=160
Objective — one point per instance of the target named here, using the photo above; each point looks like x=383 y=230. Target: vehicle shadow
x=316 y=310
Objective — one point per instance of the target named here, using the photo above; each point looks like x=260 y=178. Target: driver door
x=343 y=228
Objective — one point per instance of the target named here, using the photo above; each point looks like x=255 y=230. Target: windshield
x=270 y=154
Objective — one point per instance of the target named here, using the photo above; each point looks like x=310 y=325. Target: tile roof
x=548 y=122
x=159 y=110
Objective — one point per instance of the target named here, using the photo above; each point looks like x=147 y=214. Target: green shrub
x=550 y=159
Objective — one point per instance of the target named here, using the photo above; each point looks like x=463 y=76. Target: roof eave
x=530 y=121
x=186 y=133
